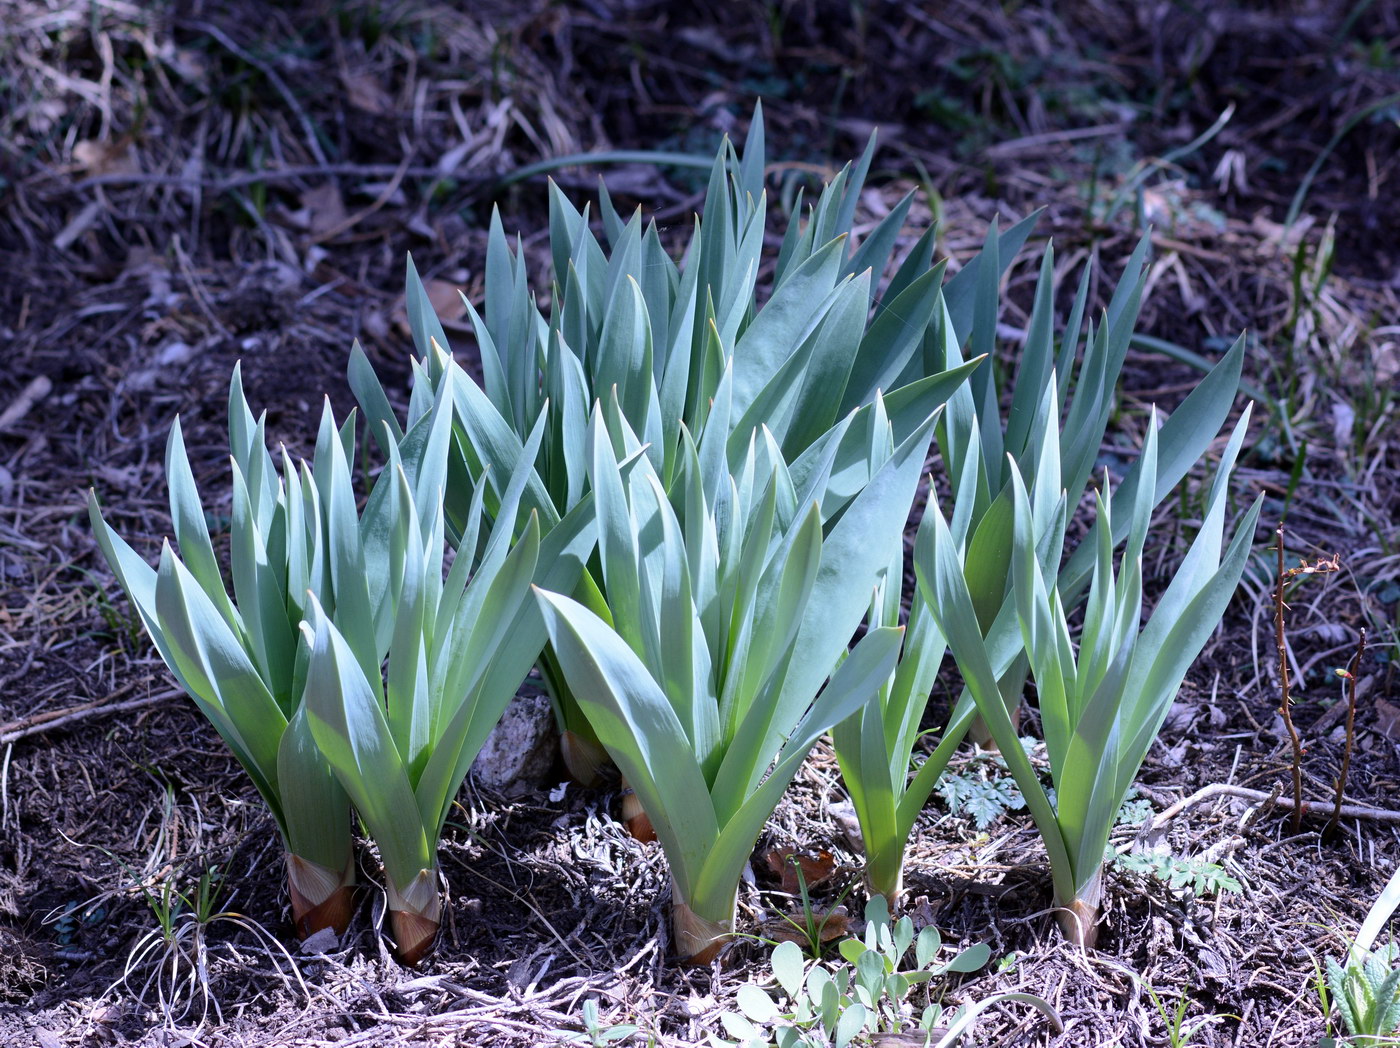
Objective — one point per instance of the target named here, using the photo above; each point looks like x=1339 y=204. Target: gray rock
x=520 y=751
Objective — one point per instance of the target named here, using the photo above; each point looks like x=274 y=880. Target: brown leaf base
x=321 y=897
x=637 y=821
x=698 y=941
x=415 y=914
x=583 y=759
x=1079 y=918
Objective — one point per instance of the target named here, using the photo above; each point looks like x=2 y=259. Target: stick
x=1285 y=707
x=1225 y=789
x=42 y=722
x=1350 y=676
x=38 y=388
x=278 y=174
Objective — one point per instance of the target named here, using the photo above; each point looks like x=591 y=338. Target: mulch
x=187 y=185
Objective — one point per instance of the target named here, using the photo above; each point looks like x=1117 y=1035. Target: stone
x=521 y=750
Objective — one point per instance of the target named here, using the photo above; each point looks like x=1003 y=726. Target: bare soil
x=184 y=185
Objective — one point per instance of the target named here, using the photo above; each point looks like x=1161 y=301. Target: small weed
x=1179 y=1031
x=981 y=799
x=594 y=1033
x=173 y=958
x=818 y=1007
x=812 y=927
x=1181 y=875
x=1366 y=990
x=1135 y=810
x=1284 y=577
x=123 y=624
x=76 y=916
x=983 y=790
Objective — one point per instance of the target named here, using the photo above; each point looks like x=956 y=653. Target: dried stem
x=1322 y=566
x=1349 y=675
x=1284 y=708
x=1260 y=798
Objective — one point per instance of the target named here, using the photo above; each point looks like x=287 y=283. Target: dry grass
x=185 y=185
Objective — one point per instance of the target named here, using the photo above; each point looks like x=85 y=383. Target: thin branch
x=48 y=721
x=1350 y=675
x=1225 y=789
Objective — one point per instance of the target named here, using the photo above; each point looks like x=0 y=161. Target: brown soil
x=184 y=185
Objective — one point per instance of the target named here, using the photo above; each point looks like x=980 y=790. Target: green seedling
x=825 y=1007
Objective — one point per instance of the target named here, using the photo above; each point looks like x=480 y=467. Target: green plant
x=173 y=958
x=1135 y=181
x=1366 y=986
x=1348 y=675
x=812 y=926
x=983 y=791
x=818 y=1007
x=238 y=657
x=123 y=624
x=1054 y=399
x=454 y=648
x=1366 y=990
x=1179 y=1031
x=594 y=1033
x=1284 y=577
x=1102 y=701
x=1189 y=875
x=653 y=338
x=982 y=454
x=727 y=616
x=373 y=580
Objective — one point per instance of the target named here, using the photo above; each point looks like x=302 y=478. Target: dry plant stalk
x=1321 y=566
x=1349 y=675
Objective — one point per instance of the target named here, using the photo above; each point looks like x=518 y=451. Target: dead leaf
x=446 y=302
x=921 y=911
x=888 y=1039
x=844 y=812
x=1158 y=208
x=1179 y=718
x=376 y=325
x=325 y=210
x=79 y=224
x=363 y=91
x=37 y=389
x=1387 y=362
x=816 y=867
x=1277 y=236
x=1343 y=422
x=107 y=158
x=120 y=479
x=42 y=115
x=1388 y=719
x=832 y=924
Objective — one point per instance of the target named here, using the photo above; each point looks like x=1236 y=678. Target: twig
x=278 y=174
x=1350 y=676
x=1322 y=566
x=1225 y=789
x=42 y=722
x=38 y=388
x=352 y=221
x=1285 y=707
